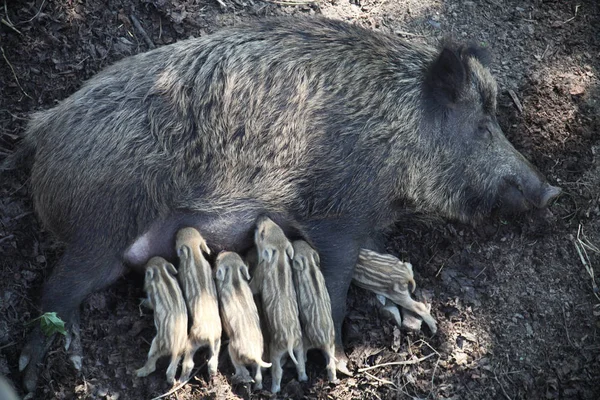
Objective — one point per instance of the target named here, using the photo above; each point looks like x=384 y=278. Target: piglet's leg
x=276 y=370
x=241 y=372
x=213 y=361
x=188 y=360
x=301 y=366
x=329 y=352
x=258 y=377
x=172 y=370
x=153 y=356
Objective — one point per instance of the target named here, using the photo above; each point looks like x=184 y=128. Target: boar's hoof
x=31 y=356
x=73 y=346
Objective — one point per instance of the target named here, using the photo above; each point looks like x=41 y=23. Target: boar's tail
x=291 y=352
x=263 y=364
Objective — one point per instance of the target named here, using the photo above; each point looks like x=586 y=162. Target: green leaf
x=51 y=324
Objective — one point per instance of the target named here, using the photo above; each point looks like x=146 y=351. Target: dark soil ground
x=517 y=312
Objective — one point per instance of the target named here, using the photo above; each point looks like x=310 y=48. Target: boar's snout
x=524 y=194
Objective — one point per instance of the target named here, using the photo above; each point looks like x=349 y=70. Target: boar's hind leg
x=338 y=246
x=76 y=275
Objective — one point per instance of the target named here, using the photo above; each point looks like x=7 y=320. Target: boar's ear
x=220 y=273
x=289 y=250
x=244 y=271
x=447 y=77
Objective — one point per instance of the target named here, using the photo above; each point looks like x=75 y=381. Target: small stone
x=461 y=358
x=529 y=329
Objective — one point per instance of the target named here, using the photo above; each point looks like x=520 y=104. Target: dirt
x=517 y=312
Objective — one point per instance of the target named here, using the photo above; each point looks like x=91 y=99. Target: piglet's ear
x=299 y=263
x=183 y=251
x=220 y=273
x=245 y=272
x=149 y=274
x=171 y=268
x=204 y=247
x=447 y=77
x=289 y=250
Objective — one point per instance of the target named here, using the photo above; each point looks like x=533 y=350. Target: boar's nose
x=550 y=193
x=521 y=195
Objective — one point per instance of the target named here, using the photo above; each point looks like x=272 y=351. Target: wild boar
x=326 y=127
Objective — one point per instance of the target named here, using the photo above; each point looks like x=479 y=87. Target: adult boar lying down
x=323 y=126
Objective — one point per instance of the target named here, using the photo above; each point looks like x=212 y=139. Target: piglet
x=387 y=276
x=196 y=279
x=239 y=316
x=314 y=305
x=273 y=280
x=170 y=316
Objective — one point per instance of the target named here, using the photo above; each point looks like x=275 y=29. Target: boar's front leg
x=81 y=271
x=338 y=246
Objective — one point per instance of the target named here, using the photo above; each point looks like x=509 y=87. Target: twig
x=14 y=73
x=223 y=5
x=5 y=238
x=384 y=381
x=566 y=328
x=142 y=32
x=8 y=345
x=36 y=14
x=182 y=384
x=482 y=271
x=580 y=245
x=572 y=18
x=433 y=376
x=290 y=2
x=408 y=362
x=10 y=25
x=501 y=386
x=515 y=99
